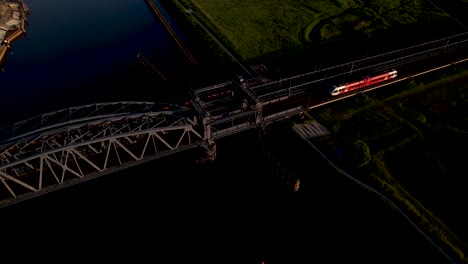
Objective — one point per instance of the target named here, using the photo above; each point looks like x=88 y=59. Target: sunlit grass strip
x=252 y=28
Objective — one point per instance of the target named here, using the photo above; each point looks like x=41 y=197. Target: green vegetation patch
x=253 y=28
x=417 y=140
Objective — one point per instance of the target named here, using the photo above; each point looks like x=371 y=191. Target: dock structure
x=171 y=32
x=12 y=26
x=144 y=61
x=3 y=51
x=24 y=6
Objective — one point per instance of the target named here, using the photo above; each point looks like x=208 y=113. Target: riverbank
x=12 y=26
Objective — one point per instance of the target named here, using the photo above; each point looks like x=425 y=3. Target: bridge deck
x=64 y=147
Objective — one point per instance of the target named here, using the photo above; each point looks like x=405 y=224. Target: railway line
x=54 y=150
x=316 y=94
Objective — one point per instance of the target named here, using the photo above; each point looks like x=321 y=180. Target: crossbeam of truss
x=36 y=163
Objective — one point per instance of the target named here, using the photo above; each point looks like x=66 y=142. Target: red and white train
x=344 y=88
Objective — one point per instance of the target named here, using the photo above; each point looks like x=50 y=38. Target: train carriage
x=344 y=88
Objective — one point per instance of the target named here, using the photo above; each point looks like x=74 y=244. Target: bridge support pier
x=210 y=153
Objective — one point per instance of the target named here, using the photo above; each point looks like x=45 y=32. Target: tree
x=358 y=153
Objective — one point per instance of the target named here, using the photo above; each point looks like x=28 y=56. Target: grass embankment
x=417 y=134
x=258 y=31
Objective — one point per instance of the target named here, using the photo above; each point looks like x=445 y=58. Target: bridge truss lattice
x=65 y=147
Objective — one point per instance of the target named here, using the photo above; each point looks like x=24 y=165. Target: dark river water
x=237 y=209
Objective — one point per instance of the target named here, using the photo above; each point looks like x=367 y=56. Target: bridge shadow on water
x=235 y=209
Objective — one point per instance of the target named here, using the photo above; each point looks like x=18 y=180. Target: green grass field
x=418 y=135
x=255 y=28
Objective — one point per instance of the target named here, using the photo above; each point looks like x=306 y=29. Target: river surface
x=237 y=209
x=83 y=53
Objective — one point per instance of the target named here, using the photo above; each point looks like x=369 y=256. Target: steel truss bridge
x=62 y=148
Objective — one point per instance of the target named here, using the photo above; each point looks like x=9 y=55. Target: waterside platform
x=173 y=34
x=12 y=25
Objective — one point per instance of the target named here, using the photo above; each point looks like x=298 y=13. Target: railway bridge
x=66 y=147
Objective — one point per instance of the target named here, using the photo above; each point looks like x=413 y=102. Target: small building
x=2 y=35
x=16 y=15
x=14 y=6
x=13 y=24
